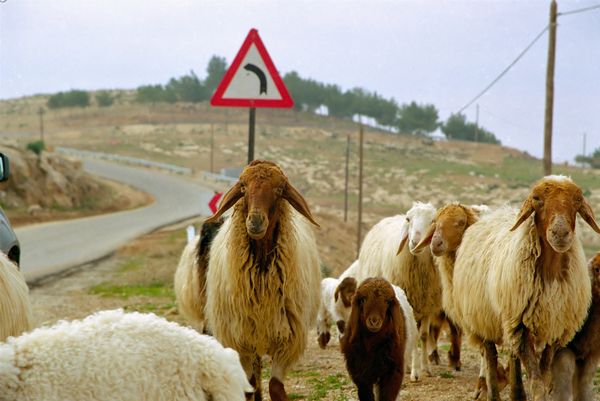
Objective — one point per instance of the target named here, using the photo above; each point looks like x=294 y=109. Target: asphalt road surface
x=49 y=248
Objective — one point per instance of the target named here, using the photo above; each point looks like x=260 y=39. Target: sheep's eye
x=460 y=223
x=360 y=301
x=408 y=219
x=536 y=198
x=243 y=188
x=279 y=191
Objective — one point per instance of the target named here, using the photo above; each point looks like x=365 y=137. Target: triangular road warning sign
x=252 y=79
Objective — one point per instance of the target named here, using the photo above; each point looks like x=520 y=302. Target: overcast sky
x=429 y=51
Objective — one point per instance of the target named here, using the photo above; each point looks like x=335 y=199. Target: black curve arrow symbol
x=260 y=74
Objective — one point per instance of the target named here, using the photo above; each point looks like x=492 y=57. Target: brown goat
x=374 y=341
x=574 y=367
x=263 y=278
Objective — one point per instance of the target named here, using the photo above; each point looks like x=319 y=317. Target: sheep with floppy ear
x=574 y=367
x=263 y=281
x=336 y=298
x=374 y=341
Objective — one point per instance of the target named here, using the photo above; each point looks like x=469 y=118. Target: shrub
x=36 y=147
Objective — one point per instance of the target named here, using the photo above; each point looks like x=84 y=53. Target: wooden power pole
x=548 y=115
x=346 y=181
x=41 y=114
x=360 y=188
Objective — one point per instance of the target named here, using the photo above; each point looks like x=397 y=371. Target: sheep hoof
x=434 y=357
x=324 y=339
x=414 y=378
x=276 y=390
x=454 y=361
x=481 y=389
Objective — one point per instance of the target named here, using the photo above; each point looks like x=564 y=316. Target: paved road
x=51 y=247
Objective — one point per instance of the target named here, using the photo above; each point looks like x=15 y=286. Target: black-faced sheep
x=190 y=276
x=15 y=308
x=521 y=277
x=113 y=355
x=263 y=282
x=374 y=341
x=574 y=367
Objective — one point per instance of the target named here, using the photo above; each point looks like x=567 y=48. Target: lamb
x=389 y=251
x=190 y=276
x=574 y=367
x=112 y=355
x=374 y=341
x=15 y=308
x=520 y=280
x=263 y=282
x=336 y=299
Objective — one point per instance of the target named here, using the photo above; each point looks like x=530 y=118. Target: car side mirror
x=4 y=167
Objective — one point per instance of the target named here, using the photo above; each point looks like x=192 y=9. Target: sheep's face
x=262 y=185
x=375 y=301
x=594 y=267
x=446 y=232
x=556 y=200
x=419 y=218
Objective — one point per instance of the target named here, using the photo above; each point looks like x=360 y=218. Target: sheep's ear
x=347 y=283
x=526 y=211
x=351 y=331
x=402 y=243
x=397 y=315
x=588 y=215
x=426 y=240
x=292 y=195
x=471 y=215
x=229 y=199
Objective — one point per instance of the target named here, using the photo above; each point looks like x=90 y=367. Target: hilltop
x=398 y=169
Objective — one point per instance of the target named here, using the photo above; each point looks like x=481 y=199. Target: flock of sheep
x=251 y=279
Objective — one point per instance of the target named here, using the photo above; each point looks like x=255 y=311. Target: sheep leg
x=491 y=358
x=585 y=381
x=532 y=365
x=435 y=329
x=424 y=334
x=276 y=387
x=481 y=388
x=365 y=392
x=564 y=369
x=389 y=387
x=252 y=366
x=324 y=321
x=455 y=341
x=517 y=391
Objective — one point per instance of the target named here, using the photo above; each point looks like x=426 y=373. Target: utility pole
x=346 y=181
x=41 y=114
x=212 y=148
x=360 y=187
x=477 y=123
x=252 y=124
x=548 y=115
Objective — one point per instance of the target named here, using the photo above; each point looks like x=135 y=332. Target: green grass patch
x=132 y=264
x=322 y=386
x=156 y=289
x=158 y=309
x=446 y=375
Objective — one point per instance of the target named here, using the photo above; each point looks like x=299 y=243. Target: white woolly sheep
x=112 y=355
x=263 y=282
x=388 y=250
x=190 y=277
x=521 y=280
x=336 y=300
x=15 y=308
x=411 y=352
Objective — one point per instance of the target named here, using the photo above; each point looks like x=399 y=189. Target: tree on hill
x=457 y=127
x=593 y=160
x=414 y=118
x=217 y=66
x=104 y=98
x=73 y=98
x=155 y=94
x=188 y=88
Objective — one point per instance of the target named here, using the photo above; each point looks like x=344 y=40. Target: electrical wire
x=539 y=35
x=580 y=10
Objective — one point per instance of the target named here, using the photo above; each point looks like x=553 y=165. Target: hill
x=397 y=168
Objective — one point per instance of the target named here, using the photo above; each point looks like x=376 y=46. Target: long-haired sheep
x=374 y=341
x=523 y=280
x=113 y=355
x=574 y=367
x=15 y=308
x=263 y=278
x=336 y=299
x=190 y=276
x=389 y=250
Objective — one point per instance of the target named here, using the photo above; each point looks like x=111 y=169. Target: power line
x=539 y=35
x=580 y=10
